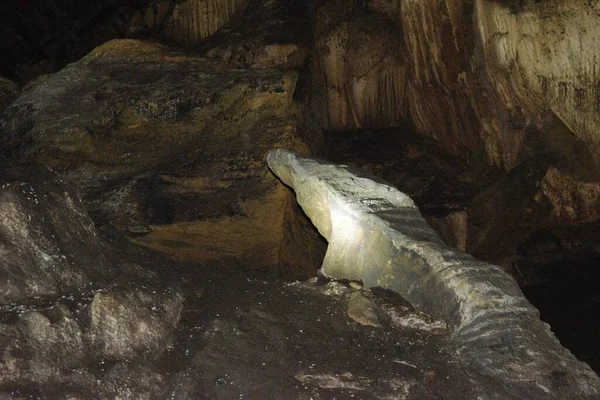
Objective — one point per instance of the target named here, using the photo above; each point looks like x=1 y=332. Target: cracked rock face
x=377 y=235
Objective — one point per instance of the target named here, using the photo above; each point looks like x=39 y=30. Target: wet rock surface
x=168 y=146
x=521 y=221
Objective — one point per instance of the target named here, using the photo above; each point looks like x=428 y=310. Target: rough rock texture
x=135 y=322
x=360 y=75
x=75 y=304
x=275 y=341
x=377 y=235
x=542 y=57
x=531 y=197
x=48 y=244
x=363 y=311
x=487 y=79
x=268 y=34
x=162 y=329
x=168 y=147
x=8 y=93
x=184 y=22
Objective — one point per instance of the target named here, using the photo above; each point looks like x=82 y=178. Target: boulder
x=75 y=302
x=377 y=235
x=531 y=197
x=168 y=147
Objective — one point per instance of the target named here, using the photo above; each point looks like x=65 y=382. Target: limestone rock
x=533 y=196
x=362 y=310
x=62 y=341
x=168 y=141
x=542 y=56
x=8 y=93
x=41 y=345
x=185 y=22
x=302 y=248
x=377 y=235
x=133 y=323
x=360 y=76
x=452 y=228
x=482 y=78
x=48 y=243
x=268 y=34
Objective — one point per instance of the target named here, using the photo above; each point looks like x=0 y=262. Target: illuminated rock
x=480 y=77
x=377 y=235
x=169 y=147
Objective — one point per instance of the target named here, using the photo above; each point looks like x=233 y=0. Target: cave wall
x=487 y=79
x=185 y=22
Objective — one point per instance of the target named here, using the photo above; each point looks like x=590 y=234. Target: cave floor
x=249 y=337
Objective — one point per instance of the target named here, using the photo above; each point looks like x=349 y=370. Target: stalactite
x=544 y=58
x=365 y=76
x=190 y=21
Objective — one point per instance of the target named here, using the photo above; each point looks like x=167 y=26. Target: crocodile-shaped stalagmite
x=377 y=235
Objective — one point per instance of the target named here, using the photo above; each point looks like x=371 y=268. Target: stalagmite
x=377 y=235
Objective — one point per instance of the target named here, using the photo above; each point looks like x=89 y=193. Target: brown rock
x=268 y=34
x=452 y=228
x=170 y=142
x=184 y=22
x=360 y=75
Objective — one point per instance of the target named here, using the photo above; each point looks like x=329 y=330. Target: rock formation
x=73 y=301
x=168 y=147
x=484 y=112
x=185 y=22
x=377 y=235
x=483 y=78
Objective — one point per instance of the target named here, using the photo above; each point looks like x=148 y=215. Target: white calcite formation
x=377 y=235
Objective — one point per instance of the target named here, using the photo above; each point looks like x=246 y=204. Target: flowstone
x=377 y=235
